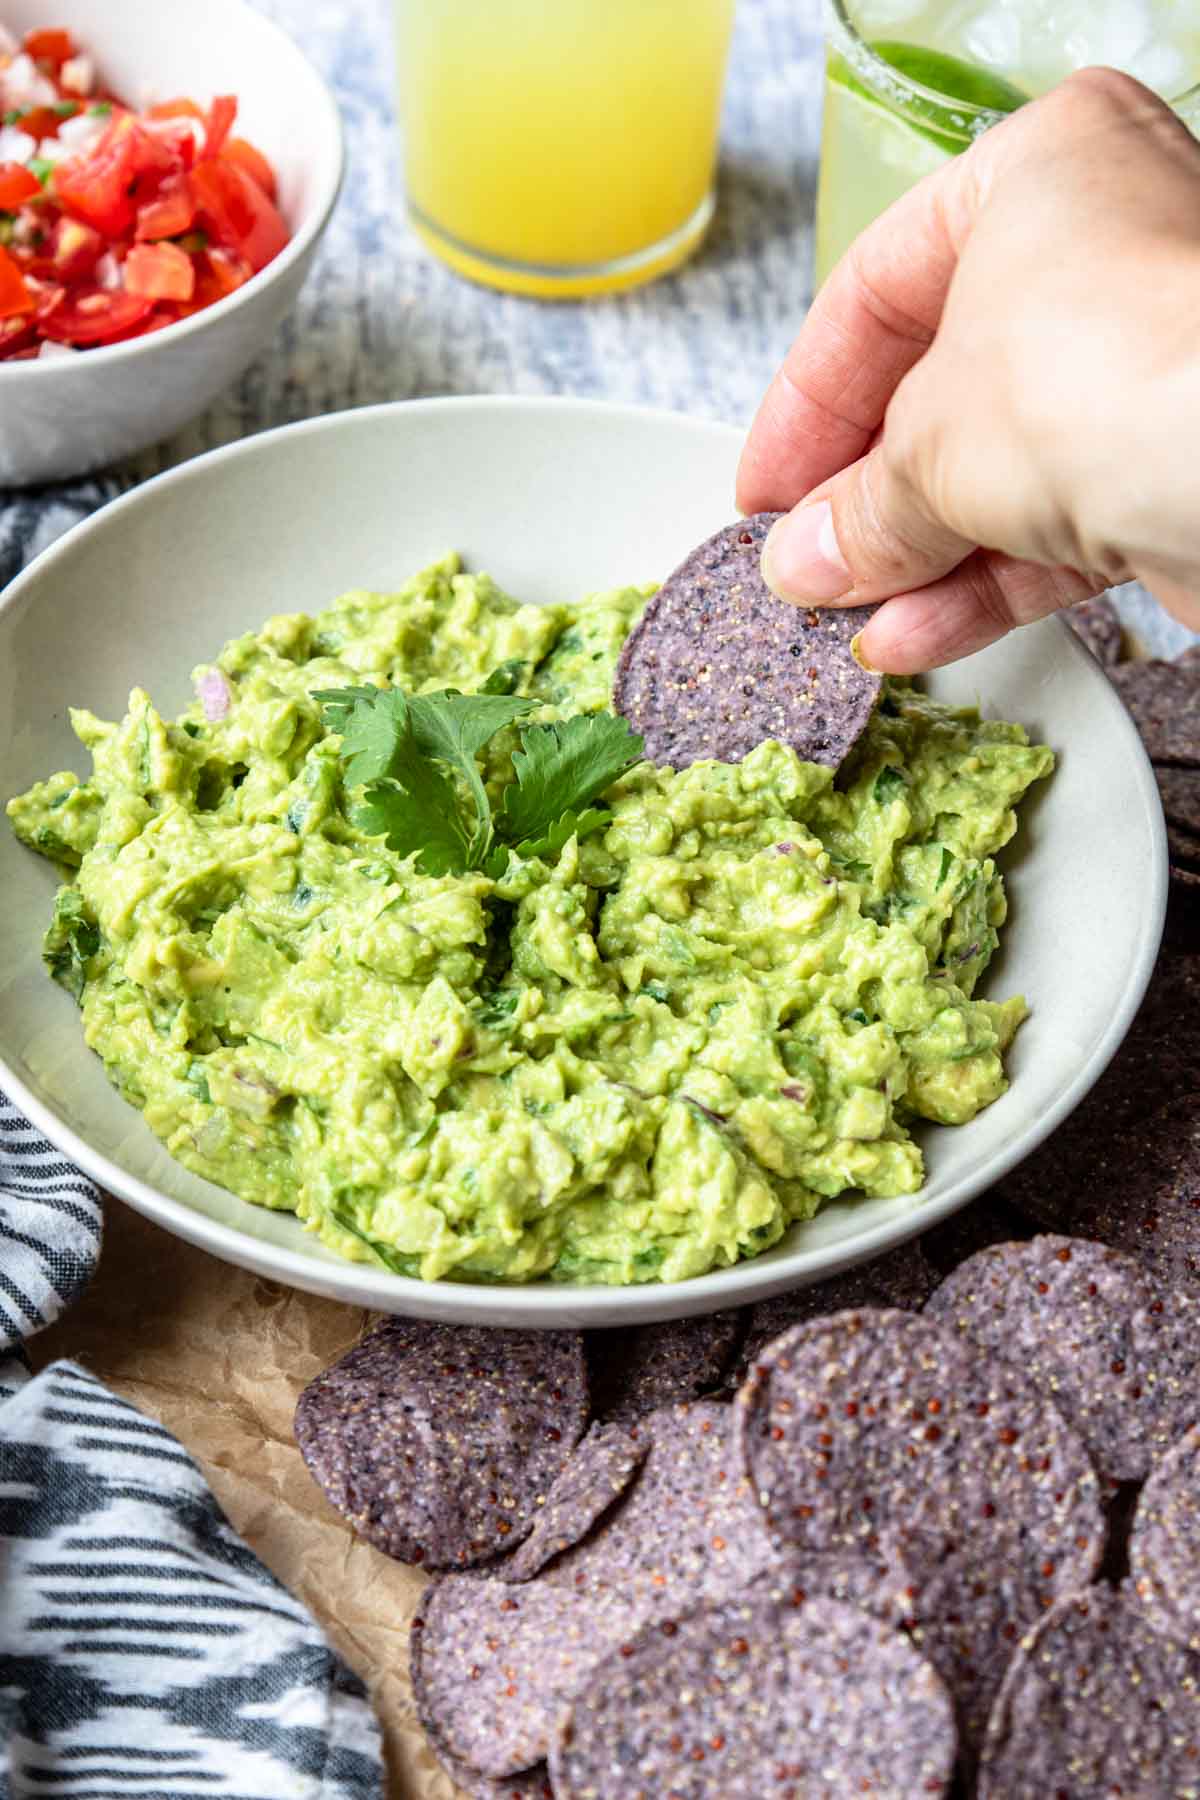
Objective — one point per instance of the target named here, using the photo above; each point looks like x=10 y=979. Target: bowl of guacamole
x=368 y=950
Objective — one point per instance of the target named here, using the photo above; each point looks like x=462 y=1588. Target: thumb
x=865 y=535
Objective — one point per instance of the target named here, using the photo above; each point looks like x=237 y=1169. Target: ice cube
x=992 y=35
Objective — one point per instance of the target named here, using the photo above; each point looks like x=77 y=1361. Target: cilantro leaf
x=393 y=743
x=455 y=727
x=373 y=724
x=571 y=824
x=561 y=769
x=420 y=817
x=415 y=757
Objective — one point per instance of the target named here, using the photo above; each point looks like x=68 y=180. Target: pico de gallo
x=115 y=222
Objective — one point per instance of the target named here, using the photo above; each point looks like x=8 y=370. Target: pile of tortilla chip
x=1164 y=699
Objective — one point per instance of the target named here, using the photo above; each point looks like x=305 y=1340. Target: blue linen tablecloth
x=88 y=1487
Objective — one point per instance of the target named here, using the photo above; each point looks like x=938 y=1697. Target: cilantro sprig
x=414 y=755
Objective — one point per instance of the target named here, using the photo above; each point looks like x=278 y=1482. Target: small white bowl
x=553 y=498
x=65 y=415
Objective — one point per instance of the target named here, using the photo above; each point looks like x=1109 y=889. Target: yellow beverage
x=912 y=82
x=561 y=147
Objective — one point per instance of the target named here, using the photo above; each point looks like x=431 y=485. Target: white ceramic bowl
x=553 y=498
x=66 y=415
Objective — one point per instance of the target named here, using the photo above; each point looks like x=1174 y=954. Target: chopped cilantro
x=71 y=941
x=889 y=782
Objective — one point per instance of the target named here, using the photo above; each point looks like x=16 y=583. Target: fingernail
x=801 y=560
x=860 y=659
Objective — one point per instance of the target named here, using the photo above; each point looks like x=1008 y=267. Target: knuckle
x=1102 y=90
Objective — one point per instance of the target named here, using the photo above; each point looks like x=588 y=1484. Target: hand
x=1008 y=358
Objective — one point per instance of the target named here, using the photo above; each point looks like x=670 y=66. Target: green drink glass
x=910 y=83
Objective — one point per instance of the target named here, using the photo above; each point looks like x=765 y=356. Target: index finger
x=872 y=320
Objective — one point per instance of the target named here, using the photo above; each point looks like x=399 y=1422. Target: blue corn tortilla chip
x=1080 y=1322
x=1136 y=1184
x=636 y=1369
x=880 y=1427
x=1097 y=624
x=1164 y=1544
x=438 y=1443
x=493 y=1661
x=756 y=1700
x=879 y=1421
x=1164 y=699
x=717 y=665
x=973 y=1600
x=1095 y=1703
x=603 y=1465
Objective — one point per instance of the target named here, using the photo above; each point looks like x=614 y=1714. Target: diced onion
x=214 y=694
x=16 y=145
x=78 y=75
x=81 y=132
x=23 y=85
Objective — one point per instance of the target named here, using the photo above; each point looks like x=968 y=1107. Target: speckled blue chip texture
x=717 y=664
x=754 y=1700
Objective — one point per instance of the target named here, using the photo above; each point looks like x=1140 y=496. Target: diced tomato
x=155 y=153
x=75 y=250
x=252 y=161
x=218 y=273
x=164 y=214
x=159 y=272
x=49 y=46
x=40 y=122
x=49 y=296
x=177 y=136
x=170 y=212
x=228 y=270
x=219 y=123
x=233 y=209
x=95 y=187
x=16 y=297
x=16 y=185
x=175 y=109
x=16 y=336
x=95 y=316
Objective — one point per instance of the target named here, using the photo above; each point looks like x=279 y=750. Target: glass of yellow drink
x=561 y=147
x=910 y=83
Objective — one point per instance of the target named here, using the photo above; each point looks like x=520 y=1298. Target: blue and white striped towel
x=145 y=1652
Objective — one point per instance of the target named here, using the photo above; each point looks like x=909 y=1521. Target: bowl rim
x=546 y=1304
x=297 y=247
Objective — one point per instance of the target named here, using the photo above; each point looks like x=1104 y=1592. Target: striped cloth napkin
x=145 y=1652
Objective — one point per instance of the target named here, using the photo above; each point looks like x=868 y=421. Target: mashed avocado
x=635 y=1061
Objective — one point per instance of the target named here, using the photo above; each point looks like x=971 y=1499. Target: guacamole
x=635 y=1059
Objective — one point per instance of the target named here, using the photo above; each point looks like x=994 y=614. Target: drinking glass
x=561 y=147
x=910 y=83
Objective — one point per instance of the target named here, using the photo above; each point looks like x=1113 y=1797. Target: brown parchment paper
x=220 y=1356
